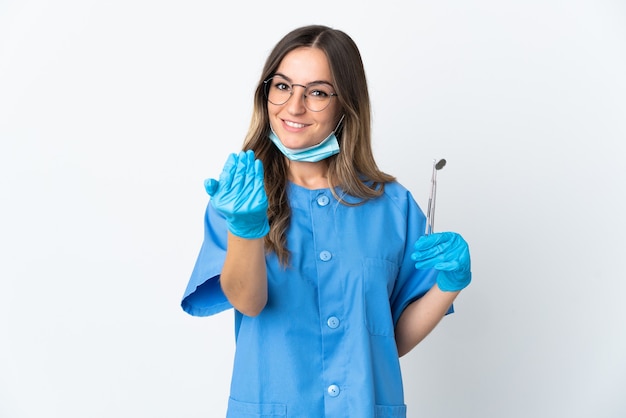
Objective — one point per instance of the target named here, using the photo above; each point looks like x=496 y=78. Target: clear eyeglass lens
x=317 y=96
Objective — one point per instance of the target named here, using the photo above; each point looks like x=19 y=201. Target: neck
x=308 y=175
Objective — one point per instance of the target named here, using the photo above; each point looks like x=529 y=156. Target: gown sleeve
x=411 y=283
x=203 y=295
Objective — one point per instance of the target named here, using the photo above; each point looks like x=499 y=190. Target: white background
x=112 y=113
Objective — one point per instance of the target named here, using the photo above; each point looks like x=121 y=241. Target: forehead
x=304 y=65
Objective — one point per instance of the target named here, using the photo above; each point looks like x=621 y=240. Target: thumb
x=210 y=186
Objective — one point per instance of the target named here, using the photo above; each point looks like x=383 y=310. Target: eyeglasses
x=317 y=96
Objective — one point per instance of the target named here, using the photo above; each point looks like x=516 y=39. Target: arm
x=244 y=276
x=420 y=318
x=448 y=253
x=240 y=197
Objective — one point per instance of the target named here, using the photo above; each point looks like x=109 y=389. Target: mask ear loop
x=339 y=126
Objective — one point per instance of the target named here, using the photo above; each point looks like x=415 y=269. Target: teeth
x=294 y=125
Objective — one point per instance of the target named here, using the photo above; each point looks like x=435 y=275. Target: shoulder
x=402 y=198
x=397 y=192
x=393 y=188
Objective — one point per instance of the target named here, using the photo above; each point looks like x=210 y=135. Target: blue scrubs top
x=324 y=344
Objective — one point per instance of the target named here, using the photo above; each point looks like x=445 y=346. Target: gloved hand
x=448 y=253
x=240 y=196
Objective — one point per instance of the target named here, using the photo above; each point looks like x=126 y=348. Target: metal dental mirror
x=430 y=214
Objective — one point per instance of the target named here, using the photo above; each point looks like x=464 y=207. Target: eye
x=319 y=91
x=282 y=86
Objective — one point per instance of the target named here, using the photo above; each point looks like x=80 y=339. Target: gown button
x=323 y=200
x=333 y=390
x=325 y=255
x=333 y=322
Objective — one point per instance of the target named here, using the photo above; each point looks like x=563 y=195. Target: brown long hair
x=353 y=169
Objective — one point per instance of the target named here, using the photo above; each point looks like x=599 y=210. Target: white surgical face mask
x=313 y=154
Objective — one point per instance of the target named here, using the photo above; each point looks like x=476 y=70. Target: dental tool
x=430 y=214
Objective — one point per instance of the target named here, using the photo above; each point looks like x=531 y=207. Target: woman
x=321 y=254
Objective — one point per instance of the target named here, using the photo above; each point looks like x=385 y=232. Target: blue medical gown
x=324 y=344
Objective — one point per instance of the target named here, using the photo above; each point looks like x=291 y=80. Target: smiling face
x=297 y=126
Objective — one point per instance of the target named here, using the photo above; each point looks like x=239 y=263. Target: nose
x=295 y=103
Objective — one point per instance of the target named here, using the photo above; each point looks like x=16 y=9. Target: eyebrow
x=308 y=84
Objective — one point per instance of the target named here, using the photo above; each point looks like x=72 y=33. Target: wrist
x=249 y=230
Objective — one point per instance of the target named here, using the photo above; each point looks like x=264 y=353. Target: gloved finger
x=431 y=259
x=249 y=157
x=211 y=185
x=258 y=173
x=248 y=186
x=432 y=240
x=439 y=252
x=239 y=176
x=446 y=262
x=430 y=245
x=453 y=265
x=258 y=186
x=423 y=265
x=226 y=177
x=431 y=262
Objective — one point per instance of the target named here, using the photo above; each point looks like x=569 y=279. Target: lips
x=293 y=124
